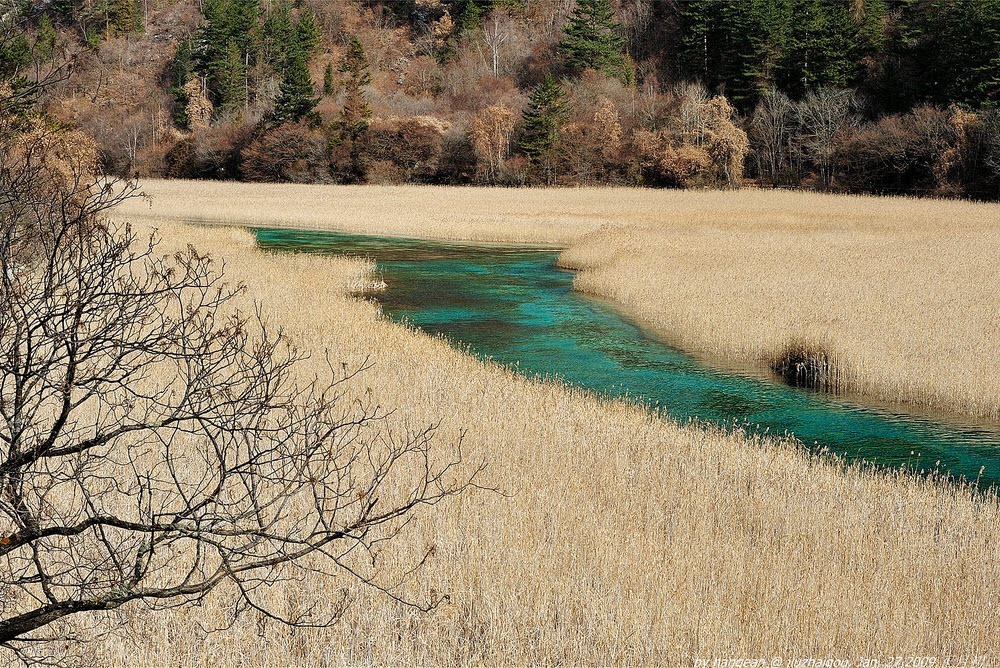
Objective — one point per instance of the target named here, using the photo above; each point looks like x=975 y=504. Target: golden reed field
x=620 y=538
x=898 y=294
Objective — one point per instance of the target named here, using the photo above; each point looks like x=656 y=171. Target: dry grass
x=625 y=539
x=550 y=216
x=900 y=293
x=902 y=301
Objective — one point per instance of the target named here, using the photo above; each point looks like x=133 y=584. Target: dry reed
x=624 y=539
x=899 y=294
x=901 y=310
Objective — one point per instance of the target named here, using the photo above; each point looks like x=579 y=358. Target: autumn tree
x=724 y=141
x=492 y=133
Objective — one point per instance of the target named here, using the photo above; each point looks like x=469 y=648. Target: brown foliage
x=724 y=141
x=491 y=135
x=918 y=152
x=213 y=153
x=403 y=150
x=291 y=152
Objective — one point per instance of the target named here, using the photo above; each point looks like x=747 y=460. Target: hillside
x=877 y=96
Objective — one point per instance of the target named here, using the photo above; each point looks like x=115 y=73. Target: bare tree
x=156 y=442
x=496 y=33
x=770 y=132
x=823 y=114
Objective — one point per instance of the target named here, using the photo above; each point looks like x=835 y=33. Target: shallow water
x=515 y=306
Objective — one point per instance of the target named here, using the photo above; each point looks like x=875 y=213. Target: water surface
x=515 y=306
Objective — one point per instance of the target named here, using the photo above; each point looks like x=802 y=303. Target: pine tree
x=329 y=83
x=67 y=11
x=278 y=36
x=15 y=55
x=307 y=34
x=180 y=71
x=356 y=112
x=824 y=47
x=45 y=41
x=547 y=111
x=594 y=39
x=243 y=26
x=229 y=80
x=296 y=97
x=125 y=17
x=954 y=51
x=758 y=36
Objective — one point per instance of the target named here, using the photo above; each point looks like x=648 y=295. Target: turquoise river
x=516 y=306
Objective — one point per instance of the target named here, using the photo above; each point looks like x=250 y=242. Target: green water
x=515 y=306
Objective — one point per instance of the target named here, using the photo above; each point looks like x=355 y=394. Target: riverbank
x=902 y=311
x=623 y=539
x=896 y=294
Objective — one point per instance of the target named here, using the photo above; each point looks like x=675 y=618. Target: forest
x=874 y=96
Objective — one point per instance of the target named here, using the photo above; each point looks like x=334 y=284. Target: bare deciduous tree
x=155 y=442
x=823 y=114
x=991 y=142
x=496 y=32
x=770 y=133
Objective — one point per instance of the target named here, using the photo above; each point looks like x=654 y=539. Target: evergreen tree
x=229 y=80
x=594 y=39
x=470 y=14
x=354 y=117
x=744 y=48
x=179 y=71
x=756 y=38
x=279 y=37
x=124 y=17
x=953 y=49
x=230 y=22
x=547 y=111
x=296 y=97
x=15 y=55
x=824 y=47
x=228 y=48
x=243 y=26
x=704 y=38
x=329 y=83
x=45 y=41
x=67 y=11
x=307 y=35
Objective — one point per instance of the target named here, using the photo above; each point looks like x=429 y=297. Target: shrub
x=412 y=146
x=666 y=161
x=290 y=152
x=807 y=366
x=911 y=153
x=213 y=153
